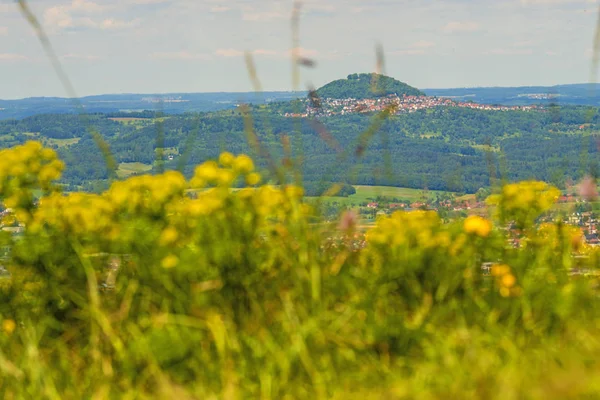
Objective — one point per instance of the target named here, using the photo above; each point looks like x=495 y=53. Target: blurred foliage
x=163 y=287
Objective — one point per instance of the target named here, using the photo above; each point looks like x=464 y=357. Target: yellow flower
x=500 y=269
x=170 y=261
x=508 y=280
x=209 y=171
x=476 y=225
x=168 y=236
x=9 y=325
x=226 y=177
x=252 y=179
x=226 y=159
x=243 y=164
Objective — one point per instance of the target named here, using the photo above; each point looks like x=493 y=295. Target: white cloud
x=12 y=57
x=219 y=9
x=422 y=44
x=143 y=2
x=508 y=52
x=556 y=2
x=229 y=53
x=417 y=48
x=84 y=14
x=180 y=55
x=86 y=6
x=83 y=57
x=6 y=8
x=407 y=52
x=524 y=43
x=111 y=23
x=464 y=26
x=302 y=52
x=265 y=52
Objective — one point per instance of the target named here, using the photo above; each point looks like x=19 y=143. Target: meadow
x=366 y=193
x=143 y=291
x=168 y=285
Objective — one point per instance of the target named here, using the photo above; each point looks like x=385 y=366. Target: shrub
x=147 y=291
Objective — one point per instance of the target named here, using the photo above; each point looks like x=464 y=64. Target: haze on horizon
x=162 y=46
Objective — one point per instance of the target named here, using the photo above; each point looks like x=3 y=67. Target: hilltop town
x=398 y=104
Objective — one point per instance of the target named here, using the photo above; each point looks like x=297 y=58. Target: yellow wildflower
x=170 y=261
x=508 y=280
x=9 y=325
x=168 y=236
x=477 y=225
x=252 y=179
x=209 y=171
x=243 y=164
x=226 y=159
x=500 y=269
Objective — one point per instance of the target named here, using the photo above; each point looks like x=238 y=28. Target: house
x=397 y=205
x=592 y=239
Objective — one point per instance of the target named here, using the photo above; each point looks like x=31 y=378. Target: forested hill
x=446 y=148
x=364 y=86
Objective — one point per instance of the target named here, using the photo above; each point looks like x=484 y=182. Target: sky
x=167 y=46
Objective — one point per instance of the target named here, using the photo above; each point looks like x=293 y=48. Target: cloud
x=422 y=44
x=86 y=6
x=5 y=8
x=465 y=26
x=302 y=52
x=417 y=48
x=229 y=53
x=3 y=31
x=264 y=16
x=508 y=52
x=407 y=52
x=336 y=54
x=264 y=52
x=12 y=57
x=556 y=2
x=84 y=14
x=111 y=23
x=524 y=43
x=318 y=10
x=180 y=55
x=144 y=2
x=219 y=9
x=84 y=57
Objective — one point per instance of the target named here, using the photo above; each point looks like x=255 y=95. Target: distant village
x=580 y=213
x=399 y=104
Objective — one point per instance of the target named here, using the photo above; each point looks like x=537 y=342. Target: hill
x=572 y=94
x=360 y=86
x=450 y=149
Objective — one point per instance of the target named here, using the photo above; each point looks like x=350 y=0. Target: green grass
x=138 y=122
x=46 y=141
x=486 y=147
x=366 y=193
x=128 y=169
x=60 y=142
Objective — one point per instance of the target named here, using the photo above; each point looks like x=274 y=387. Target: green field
x=127 y=169
x=369 y=193
x=46 y=141
x=60 y=142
